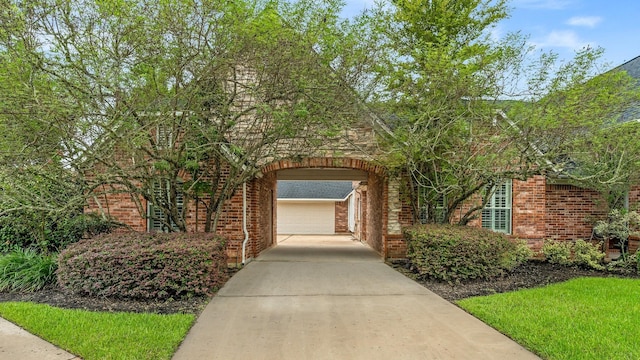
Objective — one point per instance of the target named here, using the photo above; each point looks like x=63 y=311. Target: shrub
x=453 y=253
x=522 y=253
x=26 y=270
x=144 y=265
x=557 y=252
x=625 y=265
x=579 y=252
x=27 y=230
x=588 y=255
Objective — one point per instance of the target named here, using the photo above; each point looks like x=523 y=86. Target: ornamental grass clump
x=25 y=270
x=144 y=266
x=454 y=253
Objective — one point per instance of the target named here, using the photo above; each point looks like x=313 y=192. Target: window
x=496 y=214
x=157 y=219
x=164 y=137
x=423 y=206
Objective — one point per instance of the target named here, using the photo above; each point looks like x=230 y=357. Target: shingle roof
x=632 y=67
x=306 y=189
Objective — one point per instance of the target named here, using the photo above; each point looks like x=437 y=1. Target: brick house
x=535 y=209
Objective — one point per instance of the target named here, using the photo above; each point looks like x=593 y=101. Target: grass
x=585 y=318
x=102 y=335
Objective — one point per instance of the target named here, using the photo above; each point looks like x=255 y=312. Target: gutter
x=244 y=224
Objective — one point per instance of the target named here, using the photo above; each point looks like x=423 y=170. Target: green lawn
x=102 y=335
x=586 y=318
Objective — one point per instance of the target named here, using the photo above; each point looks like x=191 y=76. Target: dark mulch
x=56 y=297
x=530 y=275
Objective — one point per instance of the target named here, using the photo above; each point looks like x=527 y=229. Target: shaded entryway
x=334 y=298
x=371 y=187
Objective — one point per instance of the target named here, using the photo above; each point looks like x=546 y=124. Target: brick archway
x=264 y=199
x=326 y=162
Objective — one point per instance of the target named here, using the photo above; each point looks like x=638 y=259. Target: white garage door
x=306 y=217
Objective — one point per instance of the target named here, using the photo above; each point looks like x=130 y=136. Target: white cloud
x=562 y=39
x=588 y=21
x=543 y=4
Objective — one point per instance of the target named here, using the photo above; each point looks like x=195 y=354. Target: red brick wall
x=528 y=204
x=634 y=198
x=121 y=206
x=263 y=210
x=571 y=212
x=342 y=217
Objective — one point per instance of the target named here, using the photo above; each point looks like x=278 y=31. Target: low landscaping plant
x=625 y=265
x=144 y=265
x=26 y=270
x=453 y=253
x=557 y=252
x=47 y=234
x=570 y=253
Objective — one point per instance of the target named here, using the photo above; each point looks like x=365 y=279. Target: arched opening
x=365 y=212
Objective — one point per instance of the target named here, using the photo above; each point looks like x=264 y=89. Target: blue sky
x=565 y=26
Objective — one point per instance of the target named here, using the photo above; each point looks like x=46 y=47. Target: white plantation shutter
x=155 y=214
x=496 y=215
x=440 y=206
x=164 y=137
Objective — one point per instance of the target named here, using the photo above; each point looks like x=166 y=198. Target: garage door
x=306 y=217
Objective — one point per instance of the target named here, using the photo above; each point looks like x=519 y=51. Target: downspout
x=244 y=222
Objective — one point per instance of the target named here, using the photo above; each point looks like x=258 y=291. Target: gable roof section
x=632 y=67
x=320 y=190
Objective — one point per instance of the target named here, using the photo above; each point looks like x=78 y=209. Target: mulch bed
x=530 y=275
x=54 y=296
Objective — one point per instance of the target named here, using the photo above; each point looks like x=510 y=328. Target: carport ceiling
x=322 y=174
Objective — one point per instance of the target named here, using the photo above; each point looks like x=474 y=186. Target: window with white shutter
x=496 y=214
x=156 y=217
x=439 y=208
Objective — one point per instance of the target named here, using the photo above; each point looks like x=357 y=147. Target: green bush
x=27 y=230
x=588 y=255
x=144 y=265
x=557 y=252
x=522 y=253
x=627 y=265
x=579 y=252
x=453 y=253
x=26 y=270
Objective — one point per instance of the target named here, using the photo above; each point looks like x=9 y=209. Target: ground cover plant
x=101 y=335
x=584 y=318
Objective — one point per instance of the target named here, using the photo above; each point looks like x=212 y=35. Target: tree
x=470 y=111
x=182 y=100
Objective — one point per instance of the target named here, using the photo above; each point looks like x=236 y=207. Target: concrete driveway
x=328 y=297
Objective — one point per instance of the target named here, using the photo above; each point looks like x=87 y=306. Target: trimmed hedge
x=454 y=253
x=144 y=265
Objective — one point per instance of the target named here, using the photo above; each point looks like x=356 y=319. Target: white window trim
x=493 y=207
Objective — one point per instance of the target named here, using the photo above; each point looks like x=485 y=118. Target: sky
x=565 y=26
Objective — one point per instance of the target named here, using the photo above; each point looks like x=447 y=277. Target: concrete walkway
x=16 y=343
x=314 y=297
